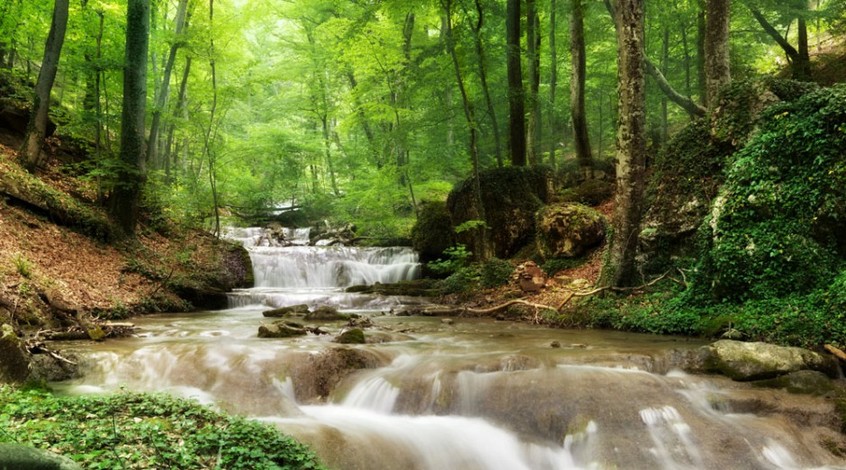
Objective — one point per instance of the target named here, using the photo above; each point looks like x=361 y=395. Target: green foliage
x=461 y=281
x=457 y=257
x=778 y=227
x=554 y=265
x=130 y=430
x=495 y=272
x=22 y=264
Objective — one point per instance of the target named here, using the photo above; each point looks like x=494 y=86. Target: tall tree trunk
x=131 y=173
x=481 y=250
x=688 y=85
x=483 y=78
x=799 y=59
x=577 y=85
x=717 y=66
x=802 y=69
x=700 y=54
x=665 y=66
x=553 y=79
x=517 y=112
x=164 y=89
x=533 y=38
x=619 y=269
x=38 y=116
x=210 y=153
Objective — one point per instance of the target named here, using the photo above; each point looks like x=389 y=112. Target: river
x=460 y=394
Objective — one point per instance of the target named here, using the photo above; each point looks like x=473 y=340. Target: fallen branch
x=837 y=352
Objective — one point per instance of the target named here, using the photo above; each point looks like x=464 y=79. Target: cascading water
x=476 y=394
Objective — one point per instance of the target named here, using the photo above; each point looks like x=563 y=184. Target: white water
x=476 y=394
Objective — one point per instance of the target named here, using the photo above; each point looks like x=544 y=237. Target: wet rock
x=808 y=382
x=379 y=337
x=351 y=336
x=325 y=313
x=555 y=344
x=758 y=361
x=315 y=378
x=360 y=322
x=47 y=368
x=285 y=311
x=568 y=230
x=17 y=456
x=447 y=321
x=14 y=358
x=281 y=329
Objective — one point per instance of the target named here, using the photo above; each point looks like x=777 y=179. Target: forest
x=659 y=166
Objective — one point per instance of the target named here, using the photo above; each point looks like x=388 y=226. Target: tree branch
x=685 y=102
x=770 y=30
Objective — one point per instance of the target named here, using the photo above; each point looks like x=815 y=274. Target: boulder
x=432 y=232
x=285 y=311
x=529 y=277
x=325 y=313
x=592 y=192
x=48 y=368
x=744 y=361
x=14 y=358
x=351 y=336
x=281 y=329
x=317 y=376
x=568 y=230
x=17 y=456
x=808 y=382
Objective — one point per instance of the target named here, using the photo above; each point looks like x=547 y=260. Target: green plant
x=457 y=257
x=22 y=265
x=495 y=272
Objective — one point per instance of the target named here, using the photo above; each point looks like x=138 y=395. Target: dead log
x=837 y=352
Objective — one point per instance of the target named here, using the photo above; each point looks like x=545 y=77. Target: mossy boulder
x=351 y=336
x=325 y=313
x=806 y=382
x=590 y=192
x=744 y=361
x=286 y=311
x=432 y=233
x=511 y=197
x=21 y=457
x=281 y=329
x=14 y=358
x=568 y=230
x=316 y=377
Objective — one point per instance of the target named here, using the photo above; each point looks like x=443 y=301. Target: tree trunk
x=700 y=54
x=619 y=269
x=533 y=38
x=481 y=249
x=483 y=78
x=577 y=85
x=517 y=113
x=164 y=89
x=717 y=67
x=553 y=80
x=38 y=116
x=799 y=60
x=131 y=172
x=209 y=141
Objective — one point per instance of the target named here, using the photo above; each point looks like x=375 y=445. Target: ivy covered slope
x=774 y=244
x=130 y=430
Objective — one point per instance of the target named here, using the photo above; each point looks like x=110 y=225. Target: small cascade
x=316 y=275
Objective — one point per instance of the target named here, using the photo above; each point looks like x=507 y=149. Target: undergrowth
x=131 y=430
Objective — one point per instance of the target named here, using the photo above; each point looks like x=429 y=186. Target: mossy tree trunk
x=533 y=45
x=717 y=67
x=577 y=84
x=131 y=172
x=38 y=116
x=619 y=269
x=483 y=78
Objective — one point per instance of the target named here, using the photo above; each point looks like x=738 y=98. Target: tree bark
x=164 y=89
x=717 y=66
x=483 y=78
x=533 y=44
x=38 y=116
x=553 y=79
x=619 y=269
x=700 y=54
x=577 y=85
x=516 y=105
x=131 y=172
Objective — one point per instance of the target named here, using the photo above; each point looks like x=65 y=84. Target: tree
x=717 y=66
x=619 y=269
x=577 y=84
x=131 y=171
x=516 y=115
x=798 y=57
x=533 y=43
x=476 y=27
x=38 y=117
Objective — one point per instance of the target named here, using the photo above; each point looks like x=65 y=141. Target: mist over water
x=476 y=394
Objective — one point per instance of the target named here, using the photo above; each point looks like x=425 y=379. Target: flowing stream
x=468 y=394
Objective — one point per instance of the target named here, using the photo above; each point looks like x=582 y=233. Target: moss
x=351 y=336
x=432 y=233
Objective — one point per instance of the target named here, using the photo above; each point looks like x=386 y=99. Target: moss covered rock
x=281 y=329
x=285 y=311
x=14 y=358
x=351 y=336
x=758 y=361
x=568 y=230
x=432 y=233
x=17 y=456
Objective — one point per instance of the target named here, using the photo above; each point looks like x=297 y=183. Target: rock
x=360 y=322
x=808 y=382
x=281 y=329
x=351 y=336
x=285 y=311
x=432 y=232
x=529 y=276
x=568 y=230
x=447 y=321
x=49 y=369
x=511 y=197
x=555 y=344
x=758 y=361
x=14 y=358
x=379 y=337
x=316 y=377
x=21 y=457
x=325 y=313
x=592 y=192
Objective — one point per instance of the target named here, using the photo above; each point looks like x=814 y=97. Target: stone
x=285 y=311
x=325 y=313
x=281 y=330
x=14 y=358
x=21 y=457
x=808 y=382
x=529 y=277
x=447 y=321
x=47 y=368
x=568 y=230
x=351 y=336
x=744 y=361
